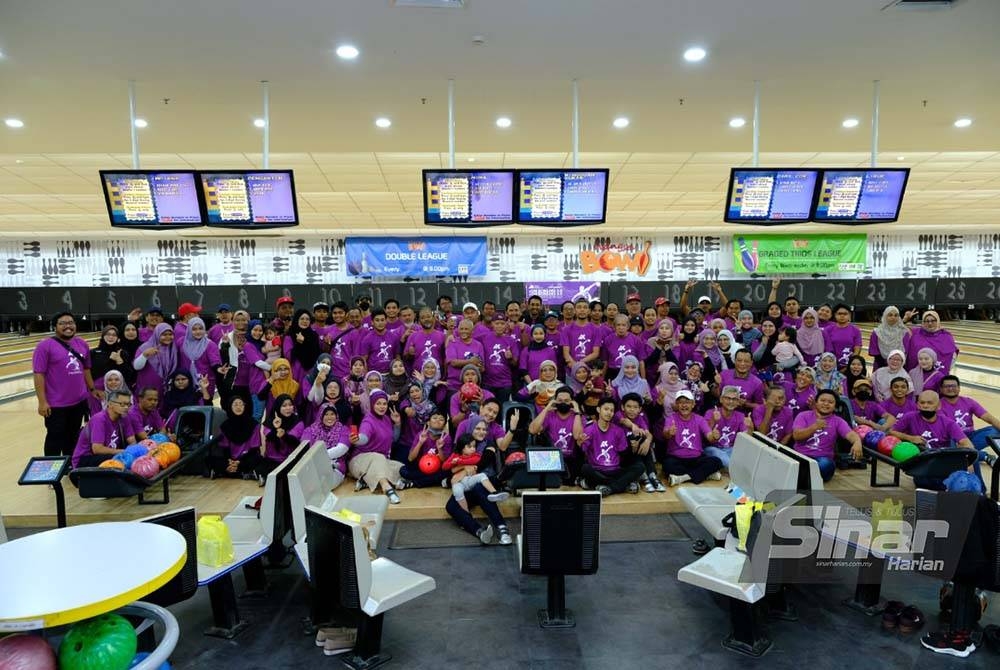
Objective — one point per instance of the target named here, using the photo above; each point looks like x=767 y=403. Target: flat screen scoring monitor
x=856 y=196
x=770 y=196
x=152 y=199
x=249 y=198
x=562 y=197
x=471 y=198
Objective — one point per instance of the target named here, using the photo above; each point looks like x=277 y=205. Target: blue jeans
x=722 y=453
x=827 y=466
x=258 y=407
x=978 y=439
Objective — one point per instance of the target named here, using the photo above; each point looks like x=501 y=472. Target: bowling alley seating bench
x=931 y=464
x=311 y=484
x=111 y=483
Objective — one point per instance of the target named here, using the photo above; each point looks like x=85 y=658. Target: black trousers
x=62 y=427
x=617 y=480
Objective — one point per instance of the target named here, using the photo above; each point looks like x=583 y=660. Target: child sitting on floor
x=462 y=464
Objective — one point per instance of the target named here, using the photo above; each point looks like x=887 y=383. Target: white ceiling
x=66 y=66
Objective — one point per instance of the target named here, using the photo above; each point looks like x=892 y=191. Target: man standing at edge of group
x=61 y=367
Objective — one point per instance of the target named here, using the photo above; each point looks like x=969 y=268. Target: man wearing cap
x=662 y=306
x=154 y=317
x=185 y=313
x=285 y=308
x=470 y=311
x=580 y=341
x=866 y=410
x=223 y=324
x=633 y=305
x=705 y=301
x=320 y=314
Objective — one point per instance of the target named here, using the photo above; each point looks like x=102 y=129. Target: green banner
x=798 y=254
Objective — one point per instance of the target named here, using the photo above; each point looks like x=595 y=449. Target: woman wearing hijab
x=156 y=359
x=282 y=434
x=314 y=388
x=113 y=380
x=686 y=347
x=670 y=382
x=809 y=337
x=747 y=332
x=238 y=452
x=301 y=344
x=198 y=354
x=728 y=346
x=630 y=381
x=931 y=335
x=928 y=373
x=857 y=368
x=183 y=391
x=763 y=349
x=396 y=381
x=882 y=377
x=237 y=354
x=328 y=432
x=130 y=345
x=828 y=378
x=708 y=347
x=369 y=461
x=429 y=378
x=416 y=409
x=279 y=384
x=661 y=350
x=108 y=355
x=888 y=335
x=537 y=352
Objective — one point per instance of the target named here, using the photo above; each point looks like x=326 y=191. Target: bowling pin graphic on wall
x=748 y=256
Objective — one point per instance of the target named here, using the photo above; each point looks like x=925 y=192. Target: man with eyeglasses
x=61 y=367
x=964 y=410
x=108 y=433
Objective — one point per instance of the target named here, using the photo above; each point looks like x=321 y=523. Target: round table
x=69 y=574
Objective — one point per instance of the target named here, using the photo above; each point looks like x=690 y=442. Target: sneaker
x=323 y=634
x=716 y=476
x=660 y=488
x=340 y=641
x=403 y=484
x=675 y=480
x=261 y=480
x=643 y=479
x=360 y=485
x=605 y=491
x=392 y=496
x=582 y=483
x=991 y=459
x=649 y=486
x=445 y=484
x=505 y=537
x=485 y=534
x=633 y=487
x=498 y=496
x=954 y=643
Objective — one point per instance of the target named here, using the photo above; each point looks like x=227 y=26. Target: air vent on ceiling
x=927 y=5
x=434 y=4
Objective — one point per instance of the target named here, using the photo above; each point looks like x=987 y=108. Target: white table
x=69 y=574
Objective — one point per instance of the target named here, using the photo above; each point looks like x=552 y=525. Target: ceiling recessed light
x=963 y=122
x=695 y=54
x=347 y=51
x=737 y=122
x=14 y=123
x=383 y=122
x=620 y=122
x=850 y=123
x=259 y=123
x=472 y=159
x=141 y=123
x=503 y=122
x=901 y=158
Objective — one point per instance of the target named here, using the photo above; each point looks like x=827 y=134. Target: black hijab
x=287 y=422
x=307 y=351
x=238 y=429
x=175 y=398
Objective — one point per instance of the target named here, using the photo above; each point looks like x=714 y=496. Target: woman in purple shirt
x=537 y=352
x=932 y=336
x=686 y=347
x=843 y=339
x=928 y=373
x=301 y=344
x=198 y=355
x=774 y=418
x=238 y=452
x=282 y=434
x=369 y=461
x=156 y=359
x=801 y=393
x=327 y=432
x=815 y=434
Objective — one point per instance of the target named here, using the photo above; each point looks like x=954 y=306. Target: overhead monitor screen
x=470 y=198
x=141 y=199
x=770 y=196
x=250 y=198
x=562 y=197
x=860 y=196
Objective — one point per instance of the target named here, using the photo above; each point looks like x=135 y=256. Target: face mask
x=563 y=407
x=434 y=431
x=928 y=413
x=863 y=395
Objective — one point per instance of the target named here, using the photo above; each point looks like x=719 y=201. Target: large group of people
x=632 y=395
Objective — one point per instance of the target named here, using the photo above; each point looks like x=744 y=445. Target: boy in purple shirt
x=686 y=434
x=963 y=410
x=502 y=354
x=815 y=434
x=900 y=401
x=223 y=325
x=750 y=386
x=581 y=339
x=843 y=339
x=107 y=434
x=603 y=444
x=774 y=418
x=425 y=342
x=866 y=411
x=61 y=367
x=381 y=345
x=462 y=351
x=726 y=422
x=560 y=422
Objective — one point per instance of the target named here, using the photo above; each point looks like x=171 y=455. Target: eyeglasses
x=930 y=320
x=122 y=404
x=65 y=323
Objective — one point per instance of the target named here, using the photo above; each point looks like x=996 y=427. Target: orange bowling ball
x=172 y=451
x=112 y=464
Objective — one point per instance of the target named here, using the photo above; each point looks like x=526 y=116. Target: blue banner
x=416 y=256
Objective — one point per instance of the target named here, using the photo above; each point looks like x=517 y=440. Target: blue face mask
x=435 y=432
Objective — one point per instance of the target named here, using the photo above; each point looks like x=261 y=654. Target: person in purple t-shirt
x=381 y=345
x=774 y=418
x=727 y=422
x=559 y=421
x=107 y=434
x=502 y=353
x=581 y=339
x=61 y=367
x=621 y=343
x=815 y=434
x=461 y=351
x=223 y=325
x=843 y=339
x=802 y=392
x=426 y=342
x=686 y=434
x=750 y=386
x=900 y=401
x=369 y=461
x=604 y=444
x=964 y=410
x=144 y=415
x=866 y=410
x=929 y=428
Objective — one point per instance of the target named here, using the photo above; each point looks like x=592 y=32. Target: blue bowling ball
x=142 y=656
x=136 y=450
x=159 y=438
x=126 y=458
x=872 y=439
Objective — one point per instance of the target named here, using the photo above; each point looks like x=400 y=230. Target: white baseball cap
x=469 y=305
x=684 y=393
x=704 y=298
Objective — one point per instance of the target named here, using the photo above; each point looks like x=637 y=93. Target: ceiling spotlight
x=850 y=123
x=141 y=123
x=963 y=122
x=14 y=123
x=383 y=122
x=901 y=158
x=695 y=54
x=503 y=122
x=259 y=123
x=737 y=122
x=347 y=51
x=620 y=122
x=472 y=159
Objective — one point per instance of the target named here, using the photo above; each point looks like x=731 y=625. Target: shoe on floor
x=360 y=485
x=953 y=643
x=582 y=483
x=340 y=642
x=660 y=488
x=911 y=619
x=890 y=615
x=498 y=496
x=485 y=534
x=505 y=537
x=403 y=484
x=649 y=486
x=716 y=476
x=675 y=480
x=633 y=487
x=323 y=634
x=392 y=496
x=605 y=491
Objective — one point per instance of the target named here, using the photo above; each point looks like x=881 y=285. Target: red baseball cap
x=284 y=300
x=661 y=301
x=633 y=296
x=187 y=308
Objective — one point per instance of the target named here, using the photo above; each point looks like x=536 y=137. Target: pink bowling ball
x=146 y=466
x=862 y=431
x=149 y=444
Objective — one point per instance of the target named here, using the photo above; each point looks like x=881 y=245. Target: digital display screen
x=544 y=460
x=860 y=196
x=44 y=470
x=562 y=197
x=167 y=198
x=770 y=196
x=251 y=199
x=471 y=198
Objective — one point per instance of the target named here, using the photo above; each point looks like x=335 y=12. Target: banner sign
x=798 y=254
x=416 y=256
x=606 y=256
x=558 y=292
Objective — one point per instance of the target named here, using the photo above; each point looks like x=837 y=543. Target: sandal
x=911 y=619
x=700 y=548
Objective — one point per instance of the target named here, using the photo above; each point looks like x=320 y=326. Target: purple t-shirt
x=380 y=348
x=560 y=431
x=532 y=359
x=615 y=348
x=872 y=411
x=937 y=435
x=220 y=330
x=457 y=349
x=841 y=341
x=239 y=450
x=65 y=385
x=798 y=401
x=751 y=387
x=690 y=437
x=728 y=428
x=340 y=345
x=422 y=346
x=379 y=431
x=962 y=411
x=822 y=443
x=603 y=448
x=494 y=432
x=580 y=340
x=101 y=430
x=141 y=422
x=499 y=371
x=278 y=449
x=889 y=406
x=781 y=422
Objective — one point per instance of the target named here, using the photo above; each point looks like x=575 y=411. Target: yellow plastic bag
x=215 y=546
x=887 y=516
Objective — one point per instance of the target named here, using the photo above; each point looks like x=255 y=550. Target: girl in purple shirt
x=432 y=438
x=198 y=354
x=537 y=352
x=301 y=344
x=156 y=358
x=686 y=347
x=369 y=461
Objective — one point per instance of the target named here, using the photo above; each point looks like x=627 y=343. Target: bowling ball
x=886 y=444
x=172 y=451
x=514 y=457
x=429 y=464
x=470 y=391
x=872 y=439
x=159 y=438
x=149 y=444
x=26 y=652
x=106 y=642
x=126 y=458
x=161 y=457
x=862 y=431
x=137 y=450
x=904 y=451
x=146 y=466
x=112 y=464
x=142 y=656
